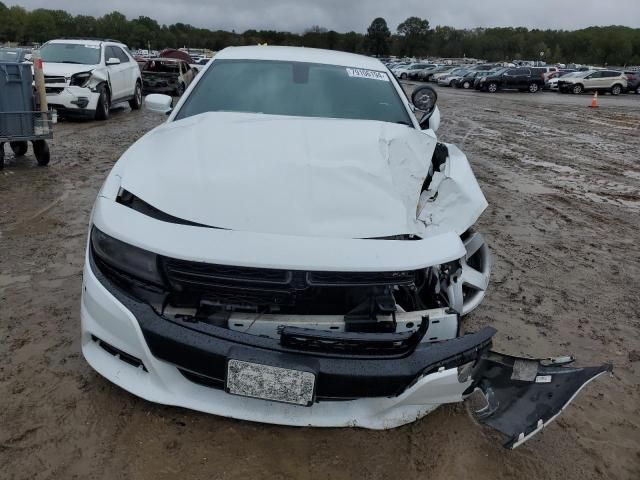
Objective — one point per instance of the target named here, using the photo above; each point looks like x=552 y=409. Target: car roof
x=300 y=54
x=81 y=41
x=165 y=59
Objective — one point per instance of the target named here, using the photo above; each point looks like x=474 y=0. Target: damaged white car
x=294 y=246
x=85 y=77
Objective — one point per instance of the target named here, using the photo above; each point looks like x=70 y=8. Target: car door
x=593 y=81
x=523 y=78
x=130 y=70
x=117 y=73
x=187 y=74
x=510 y=78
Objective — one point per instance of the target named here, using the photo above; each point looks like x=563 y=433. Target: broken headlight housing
x=80 y=79
x=126 y=258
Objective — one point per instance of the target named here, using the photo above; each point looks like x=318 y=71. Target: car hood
x=65 y=69
x=281 y=174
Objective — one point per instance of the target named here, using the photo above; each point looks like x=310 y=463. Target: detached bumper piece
x=519 y=397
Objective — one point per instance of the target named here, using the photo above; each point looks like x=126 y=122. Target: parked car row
x=491 y=78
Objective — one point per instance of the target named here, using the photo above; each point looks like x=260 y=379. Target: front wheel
x=1 y=156
x=179 y=90
x=616 y=90
x=19 y=148
x=103 y=107
x=136 y=102
x=577 y=89
x=492 y=87
x=403 y=76
x=41 y=151
x=466 y=85
x=534 y=87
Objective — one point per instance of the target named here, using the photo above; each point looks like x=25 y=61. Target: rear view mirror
x=158 y=103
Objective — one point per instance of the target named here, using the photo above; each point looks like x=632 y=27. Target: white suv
x=85 y=77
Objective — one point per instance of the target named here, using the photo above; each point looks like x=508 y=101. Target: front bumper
x=164 y=362
x=73 y=101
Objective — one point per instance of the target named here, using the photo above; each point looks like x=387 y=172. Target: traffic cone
x=594 y=100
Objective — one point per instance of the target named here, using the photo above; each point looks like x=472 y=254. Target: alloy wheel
x=467 y=288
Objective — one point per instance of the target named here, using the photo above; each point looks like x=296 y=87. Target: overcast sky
x=345 y=15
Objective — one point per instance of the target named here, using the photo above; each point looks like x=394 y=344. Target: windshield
x=296 y=89
x=9 y=55
x=70 y=53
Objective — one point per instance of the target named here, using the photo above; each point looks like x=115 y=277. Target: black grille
x=52 y=79
x=359 y=278
x=184 y=273
x=203 y=274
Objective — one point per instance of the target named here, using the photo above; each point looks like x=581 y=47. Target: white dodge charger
x=294 y=246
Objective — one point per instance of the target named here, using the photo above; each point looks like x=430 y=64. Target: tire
x=1 y=156
x=466 y=85
x=403 y=76
x=41 y=151
x=179 y=90
x=616 y=90
x=19 y=148
x=492 y=87
x=638 y=90
x=534 y=87
x=136 y=102
x=577 y=89
x=104 y=104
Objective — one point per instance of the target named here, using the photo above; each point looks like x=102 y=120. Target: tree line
x=612 y=45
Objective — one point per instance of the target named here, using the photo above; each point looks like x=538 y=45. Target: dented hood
x=286 y=175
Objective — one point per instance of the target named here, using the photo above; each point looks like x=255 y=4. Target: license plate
x=270 y=383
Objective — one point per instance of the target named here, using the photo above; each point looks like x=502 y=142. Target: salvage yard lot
x=563 y=185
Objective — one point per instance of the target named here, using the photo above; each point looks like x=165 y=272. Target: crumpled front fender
x=454 y=200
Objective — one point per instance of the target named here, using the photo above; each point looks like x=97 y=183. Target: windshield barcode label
x=372 y=74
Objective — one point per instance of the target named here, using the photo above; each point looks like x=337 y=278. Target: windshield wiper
x=69 y=61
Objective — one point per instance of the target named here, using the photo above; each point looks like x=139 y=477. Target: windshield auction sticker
x=371 y=74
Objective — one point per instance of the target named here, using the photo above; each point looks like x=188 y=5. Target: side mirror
x=113 y=61
x=424 y=100
x=158 y=103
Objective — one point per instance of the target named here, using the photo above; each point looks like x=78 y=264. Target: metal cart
x=19 y=128
x=20 y=120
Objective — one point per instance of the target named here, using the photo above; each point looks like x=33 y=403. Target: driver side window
x=109 y=53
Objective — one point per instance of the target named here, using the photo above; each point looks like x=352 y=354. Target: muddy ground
x=563 y=223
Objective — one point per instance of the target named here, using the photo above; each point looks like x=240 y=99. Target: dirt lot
x=563 y=223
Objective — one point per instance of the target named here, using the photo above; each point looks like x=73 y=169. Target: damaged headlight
x=126 y=258
x=80 y=79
